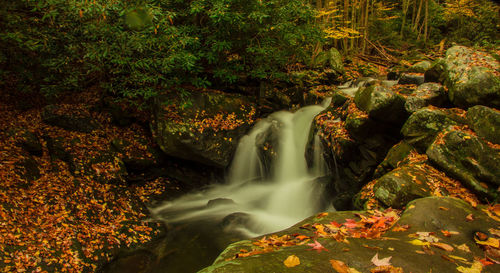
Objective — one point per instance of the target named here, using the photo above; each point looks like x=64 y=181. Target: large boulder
x=429 y=234
x=381 y=103
x=462 y=154
x=207 y=131
x=485 y=122
x=422 y=127
x=402 y=185
x=472 y=77
x=396 y=154
x=426 y=94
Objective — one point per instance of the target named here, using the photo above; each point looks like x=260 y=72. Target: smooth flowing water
x=260 y=195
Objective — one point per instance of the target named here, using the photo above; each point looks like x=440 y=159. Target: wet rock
x=485 y=122
x=421 y=128
x=471 y=77
x=472 y=161
x=407 y=78
x=220 y=202
x=421 y=215
x=137 y=160
x=335 y=60
x=235 y=220
x=68 y=119
x=426 y=94
x=381 y=104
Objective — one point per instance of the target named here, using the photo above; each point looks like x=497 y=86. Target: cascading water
x=271 y=201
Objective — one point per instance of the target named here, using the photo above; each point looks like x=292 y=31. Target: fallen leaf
x=418 y=242
x=494 y=242
x=443 y=208
x=475 y=268
x=464 y=247
x=339 y=266
x=458 y=258
x=469 y=218
x=400 y=228
x=381 y=262
x=317 y=246
x=449 y=233
x=386 y=269
x=291 y=261
x=321 y=215
x=442 y=246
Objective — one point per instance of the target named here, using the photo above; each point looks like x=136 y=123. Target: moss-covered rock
x=465 y=156
x=421 y=215
x=207 y=131
x=485 y=122
x=436 y=73
x=472 y=77
x=420 y=67
x=396 y=154
x=422 y=127
x=68 y=118
x=426 y=94
x=411 y=78
x=381 y=103
x=402 y=185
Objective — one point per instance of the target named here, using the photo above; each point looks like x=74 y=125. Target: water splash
x=270 y=201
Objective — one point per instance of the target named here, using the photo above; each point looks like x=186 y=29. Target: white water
x=288 y=195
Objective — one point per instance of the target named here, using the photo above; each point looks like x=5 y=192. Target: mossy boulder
x=422 y=216
x=207 y=131
x=422 y=127
x=472 y=77
x=436 y=73
x=400 y=186
x=485 y=122
x=381 y=103
x=465 y=156
x=426 y=94
x=396 y=154
x=420 y=67
x=69 y=118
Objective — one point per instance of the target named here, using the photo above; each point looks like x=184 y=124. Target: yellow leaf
x=458 y=258
x=292 y=261
x=475 y=268
x=490 y=242
x=418 y=242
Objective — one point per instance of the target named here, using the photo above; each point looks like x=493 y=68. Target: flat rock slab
x=432 y=235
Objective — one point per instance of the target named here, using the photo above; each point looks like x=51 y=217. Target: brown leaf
x=386 y=269
x=442 y=246
x=469 y=218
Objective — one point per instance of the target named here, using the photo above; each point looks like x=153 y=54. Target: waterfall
x=271 y=201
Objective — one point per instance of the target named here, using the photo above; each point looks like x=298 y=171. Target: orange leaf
x=339 y=266
x=442 y=246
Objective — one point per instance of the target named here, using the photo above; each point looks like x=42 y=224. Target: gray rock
x=426 y=94
x=471 y=77
x=420 y=67
x=411 y=79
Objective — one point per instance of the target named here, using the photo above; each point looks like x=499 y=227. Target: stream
x=260 y=196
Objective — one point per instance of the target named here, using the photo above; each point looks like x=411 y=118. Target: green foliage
x=135 y=49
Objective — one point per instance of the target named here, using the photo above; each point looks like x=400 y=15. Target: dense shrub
x=136 y=48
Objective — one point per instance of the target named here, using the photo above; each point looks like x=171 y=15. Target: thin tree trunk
x=426 y=21
x=417 y=18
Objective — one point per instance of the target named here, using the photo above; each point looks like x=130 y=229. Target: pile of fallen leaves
x=371 y=226
x=66 y=221
x=332 y=130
